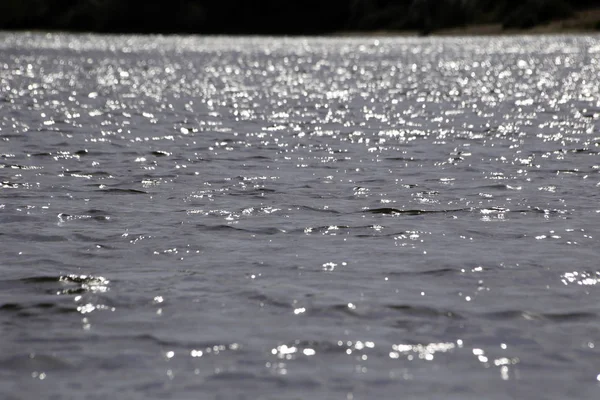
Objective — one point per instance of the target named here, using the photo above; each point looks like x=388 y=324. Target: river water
x=299 y=218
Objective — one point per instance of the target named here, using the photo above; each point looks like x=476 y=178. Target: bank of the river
x=580 y=22
x=585 y=21
x=308 y=17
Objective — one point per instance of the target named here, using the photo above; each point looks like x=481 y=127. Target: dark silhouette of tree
x=278 y=16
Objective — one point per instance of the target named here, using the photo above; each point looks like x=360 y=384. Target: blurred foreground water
x=323 y=218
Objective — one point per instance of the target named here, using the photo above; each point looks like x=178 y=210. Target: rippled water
x=328 y=218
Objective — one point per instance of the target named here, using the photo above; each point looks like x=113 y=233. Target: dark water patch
x=378 y=234
x=264 y=299
x=584 y=151
x=363 y=231
x=232 y=228
x=7 y=218
x=38 y=237
x=259 y=192
x=101 y=218
x=373 y=180
x=495 y=234
x=404 y=159
x=395 y=211
x=100 y=174
x=423 y=311
x=86 y=174
x=42 y=154
x=91 y=237
x=343 y=309
x=150 y=338
x=571 y=316
x=24 y=310
x=565 y=317
x=237 y=376
x=265 y=382
x=205 y=347
x=327 y=210
x=11 y=135
x=494 y=186
x=257 y=157
x=436 y=272
x=37 y=362
x=96 y=212
x=122 y=191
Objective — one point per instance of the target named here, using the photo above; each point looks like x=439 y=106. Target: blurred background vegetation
x=285 y=16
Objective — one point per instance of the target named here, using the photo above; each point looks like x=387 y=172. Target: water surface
x=271 y=218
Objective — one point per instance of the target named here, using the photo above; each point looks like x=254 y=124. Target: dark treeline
x=279 y=16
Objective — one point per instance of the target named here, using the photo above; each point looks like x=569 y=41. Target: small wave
x=533 y=316
x=405 y=159
x=395 y=211
x=122 y=191
x=9 y=185
x=571 y=316
x=42 y=154
x=19 y=166
x=423 y=311
x=302 y=348
x=65 y=284
x=265 y=299
x=64 y=217
x=160 y=153
x=429 y=272
x=320 y=210
x=224 y=228
x=363 y=231
x=260 y=192
x=584 y=151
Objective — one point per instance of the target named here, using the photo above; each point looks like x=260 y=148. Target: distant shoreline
x=305 y=18
x=582 y=22
x=587 y=21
